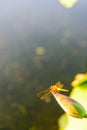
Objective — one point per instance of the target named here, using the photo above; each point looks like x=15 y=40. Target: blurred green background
x=41 y=42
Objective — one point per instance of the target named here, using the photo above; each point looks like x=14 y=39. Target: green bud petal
x=70 y=106
x=80 y=80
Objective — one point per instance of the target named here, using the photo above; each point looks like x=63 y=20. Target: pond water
x=41 y=42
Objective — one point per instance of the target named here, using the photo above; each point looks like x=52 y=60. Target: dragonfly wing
x=45 y=95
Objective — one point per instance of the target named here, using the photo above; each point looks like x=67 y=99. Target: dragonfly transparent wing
x=45 y=95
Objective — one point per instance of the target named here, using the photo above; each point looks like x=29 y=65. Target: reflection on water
x=40 y=43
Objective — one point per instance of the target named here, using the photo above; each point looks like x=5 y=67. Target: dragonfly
x=69 y=105
x=46 y=94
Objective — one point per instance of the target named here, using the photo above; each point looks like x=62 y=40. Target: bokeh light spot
x=40 y=50
x=68 y=3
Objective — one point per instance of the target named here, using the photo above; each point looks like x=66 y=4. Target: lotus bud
x=69 y=105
